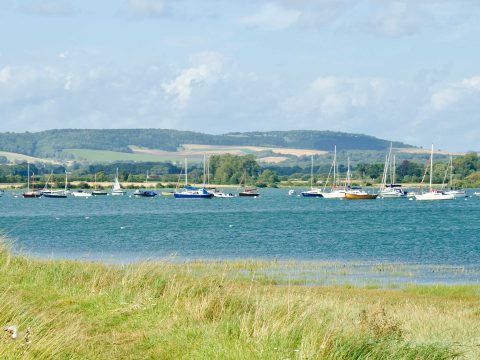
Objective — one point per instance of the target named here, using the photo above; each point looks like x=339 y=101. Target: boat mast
x=204 y=169
x=208 y=171
x=451 y=172
x=245 y=177
x=348 y=173
x=334 y=184
x=66 y=180
x=186 y=180
x=431 y=168
x=28 y=176
x=394 y=170
x=311 y=175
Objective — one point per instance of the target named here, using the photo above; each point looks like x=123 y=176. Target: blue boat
x=145 y=193
x=312 y=193
x=192 y=192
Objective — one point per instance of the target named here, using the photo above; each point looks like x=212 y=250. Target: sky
x=406 y=70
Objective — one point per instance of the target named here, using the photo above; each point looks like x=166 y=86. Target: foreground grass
x=213 y=311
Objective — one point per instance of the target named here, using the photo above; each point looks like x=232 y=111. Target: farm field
x=12 y=157
x=194 y=152
x=111 y=156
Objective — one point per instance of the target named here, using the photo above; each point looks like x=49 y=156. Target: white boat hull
x=82 y=194
x=432 y=196
x=222 y=195
x=334 y=195
x=457 y=193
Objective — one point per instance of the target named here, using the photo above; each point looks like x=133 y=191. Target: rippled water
x=273 y=226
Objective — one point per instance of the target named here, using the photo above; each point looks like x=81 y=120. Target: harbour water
x=273 y=226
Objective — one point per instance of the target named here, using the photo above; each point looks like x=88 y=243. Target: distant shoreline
x=152 y=185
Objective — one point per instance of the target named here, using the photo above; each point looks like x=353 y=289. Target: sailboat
x=145 y=192
x=392 y=190
x=33 y=193
x=433 y=194
x=458 y=193
x=248 y=192
x=335 y=191
x=116 y=187
x=312 y=192
x=57 y=194
x=357 y=193
x=206 y=182
x=97 y=192
x=190 y=192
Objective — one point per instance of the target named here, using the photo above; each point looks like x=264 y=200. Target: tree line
x=233 y=169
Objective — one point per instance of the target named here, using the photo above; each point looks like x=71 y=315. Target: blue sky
x=401 y=70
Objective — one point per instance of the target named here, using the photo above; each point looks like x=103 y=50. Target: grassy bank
x=222 y=310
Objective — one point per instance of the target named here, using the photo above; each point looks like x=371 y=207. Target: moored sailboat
x=312 y=192
x=335 y=192
x=248 y=192
x=31 y=193
x=190 y=192
x=392 y=190
x=356 y=193
x=433 y=194
x=458 y=193
x=58 y=194
x=117 y=188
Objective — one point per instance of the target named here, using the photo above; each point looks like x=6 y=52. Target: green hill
x=52 y=143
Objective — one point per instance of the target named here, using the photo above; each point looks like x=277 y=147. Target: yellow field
x=195 y=150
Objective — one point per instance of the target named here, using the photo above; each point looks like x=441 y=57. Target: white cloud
x=153 y=8
x=335 y=98
x=5 y=74
x=207 y=71
x=399 y=18
x=272 y=17
x=454 y=94
x=472 y=83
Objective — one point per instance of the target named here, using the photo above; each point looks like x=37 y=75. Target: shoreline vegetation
x=231 y=170
x=222 y=310
x=107 y=185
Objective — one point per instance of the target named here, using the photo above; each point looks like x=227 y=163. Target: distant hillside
x=51 y=143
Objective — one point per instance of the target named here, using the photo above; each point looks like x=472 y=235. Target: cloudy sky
x=406 y=70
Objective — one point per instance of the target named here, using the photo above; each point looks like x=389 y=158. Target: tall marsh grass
x=73 y=310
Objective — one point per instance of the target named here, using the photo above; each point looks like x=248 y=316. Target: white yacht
x=335 y=192
x=117 y=188
x=81 y=193
x=433 y=194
